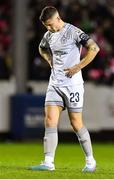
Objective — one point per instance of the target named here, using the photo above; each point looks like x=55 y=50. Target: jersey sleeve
x=44 y=43
x=80 y=36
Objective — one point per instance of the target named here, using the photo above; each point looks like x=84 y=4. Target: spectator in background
x=5 y=40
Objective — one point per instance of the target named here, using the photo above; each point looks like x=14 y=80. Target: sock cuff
x=82 y=131
x=51 y=130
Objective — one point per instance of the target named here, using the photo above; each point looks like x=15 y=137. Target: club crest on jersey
x=66 y=36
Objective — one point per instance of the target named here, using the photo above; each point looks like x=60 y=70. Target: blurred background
x=24 y=75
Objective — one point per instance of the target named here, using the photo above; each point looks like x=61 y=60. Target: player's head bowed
x=51 y=19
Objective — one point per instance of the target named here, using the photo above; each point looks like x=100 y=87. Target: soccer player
x=61 y=48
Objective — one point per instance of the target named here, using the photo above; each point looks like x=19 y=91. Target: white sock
x=49 y=159
x=50 y=144
x=85 y=141
x=90 y=162
x=90 y=158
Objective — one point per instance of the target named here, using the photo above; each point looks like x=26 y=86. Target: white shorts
x=70 y=97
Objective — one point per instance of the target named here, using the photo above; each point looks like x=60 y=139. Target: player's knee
x=50 y=122
x=73 y=122
x=76 y=124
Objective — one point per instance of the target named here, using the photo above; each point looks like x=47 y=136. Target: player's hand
x=69 y=72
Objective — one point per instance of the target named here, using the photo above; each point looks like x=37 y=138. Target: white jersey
x=65 y=46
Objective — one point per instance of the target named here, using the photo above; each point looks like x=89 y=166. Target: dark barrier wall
x=26 y=116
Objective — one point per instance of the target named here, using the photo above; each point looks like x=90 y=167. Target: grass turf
x=15 y=157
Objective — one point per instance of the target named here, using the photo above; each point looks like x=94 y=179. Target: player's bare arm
x=92 y=50
x=46 y=55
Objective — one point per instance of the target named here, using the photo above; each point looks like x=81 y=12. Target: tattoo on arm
x=91 y=45
x=93 y=48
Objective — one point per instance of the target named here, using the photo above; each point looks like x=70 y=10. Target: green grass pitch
x=15 y=157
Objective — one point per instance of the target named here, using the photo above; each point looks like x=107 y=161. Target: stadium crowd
x=5 y=39
x=95 y=17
